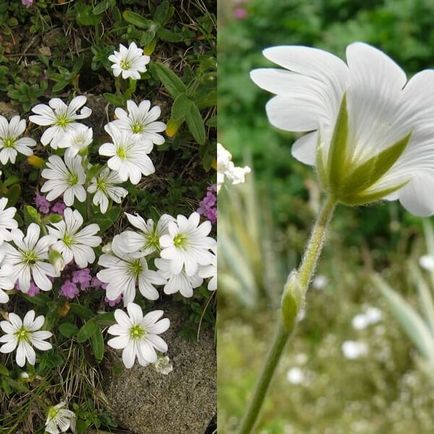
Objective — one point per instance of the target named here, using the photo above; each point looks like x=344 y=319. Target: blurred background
x=364 y=351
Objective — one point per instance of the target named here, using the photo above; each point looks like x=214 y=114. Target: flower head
x=208 y=205
x=28 y=258
x=23 y=335
x=124 y=272
x=128 y=154
x=73 y=241
x=10 y=142
x=69 y=290
x=7 y=220
x=60 y=118
x=42 y=204
x=370 y=130
x=141 y=120
x=187 y=244
x=147 y=240
x=179 y=282
x=210 y=272
x=5 y=283
x=138 y=335
x=129 y=62
x=104 y=188
x=76 y=140
x=65 y=178
x=226 y=169
x=60 y=419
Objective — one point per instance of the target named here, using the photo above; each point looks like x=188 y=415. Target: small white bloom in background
x=296 y=375
x=371 y=315
x=320 y=282
x=354 y=349
x=74 y=242
x=76 y=140
x=163 y=365
x=227 y=169
x=5 y=283
x=28 y=258
x=301 y=358
x=60 y=419
x=210 y=272
x=141 y=120
x=7 y=220
x=23 y=335
x=147 y=240
x=129 y=62
x=187 y=244
x=138 y=335
x=386 y=112
x=60 y=118
x=124 y=272
x=10 y=142
x=65 y=178
x=128 y=155
x=179 y=282
x=104 y=188
x=427 y=262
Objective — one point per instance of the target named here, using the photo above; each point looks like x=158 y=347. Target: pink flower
x=240 y=13
x=113 y=303
x=42 y=204
x=83 y=277
x=58 y=207
x=208 y=205
x=69 y=290
x=27 y=3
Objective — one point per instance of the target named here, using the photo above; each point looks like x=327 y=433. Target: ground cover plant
x=107 y=135
x=342 y=373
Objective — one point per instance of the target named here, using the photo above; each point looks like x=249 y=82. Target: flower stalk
x=292 y=302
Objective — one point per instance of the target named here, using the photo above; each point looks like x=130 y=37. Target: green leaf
x=139 y=21
x=409 y=319
x=196 y=124
x=163 y=12
x=108 y=219
x=365 y=175
x=103 y=6
x=338 y=148
x=38 y=300
x=31 y=215
x=87 y=331
x=81 y=311
x=68 y=329
x=116 y=100
x=105 y=319
x=181 y=106
x=97 y=344
x=11 y=180
x=169 y=36
x=13 y=194
x=85 y=16
x=53 y=218
x=4 y=371
x=169 y=79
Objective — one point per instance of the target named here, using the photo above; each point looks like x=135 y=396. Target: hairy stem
x=304 y=276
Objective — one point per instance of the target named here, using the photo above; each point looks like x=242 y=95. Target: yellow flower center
x=180 y=241
x=9 y=142
x=137 y=127
x=121 y=153
x=62 y=121
x=125 y=64
x=137 y=332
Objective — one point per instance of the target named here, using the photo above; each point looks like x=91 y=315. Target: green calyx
x=137 y=332
x=9 y=142
x=180 y=241
x=292 y=300
x=349 y=181
x=22 y=334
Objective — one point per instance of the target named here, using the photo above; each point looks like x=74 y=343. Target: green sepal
x=338 y=152
x=366 y=197
x=368 y=173
x=320 y=165
x=292 y=301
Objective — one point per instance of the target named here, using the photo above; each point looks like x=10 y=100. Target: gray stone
x=182 y=402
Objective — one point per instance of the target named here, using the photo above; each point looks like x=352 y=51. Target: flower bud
x=292 y=300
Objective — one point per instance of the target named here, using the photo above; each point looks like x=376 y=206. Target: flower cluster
x=208 y=205
x=226 y=169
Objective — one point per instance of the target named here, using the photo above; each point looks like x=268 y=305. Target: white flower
x=141 y=120
x=75 y=243
x=7 y=221
x=320 y=282
x=128 y=155
x=354 y=349
x=227 y=169
x=129 y=62
x=138 y=336
x=147 y=241
x=383 y=109
x=210 y=272
x=60 y=117
x=124 y=272
x=177 y=282
x=64 y=177
x=372 y=315
x=76 y=140
x=60 y=419
x=104 y=187
x=23 y=335
x=427 y=262
x=28 y=259
x=187 y=244
x=296 y=375
x=5 y=283
x=10 y=142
